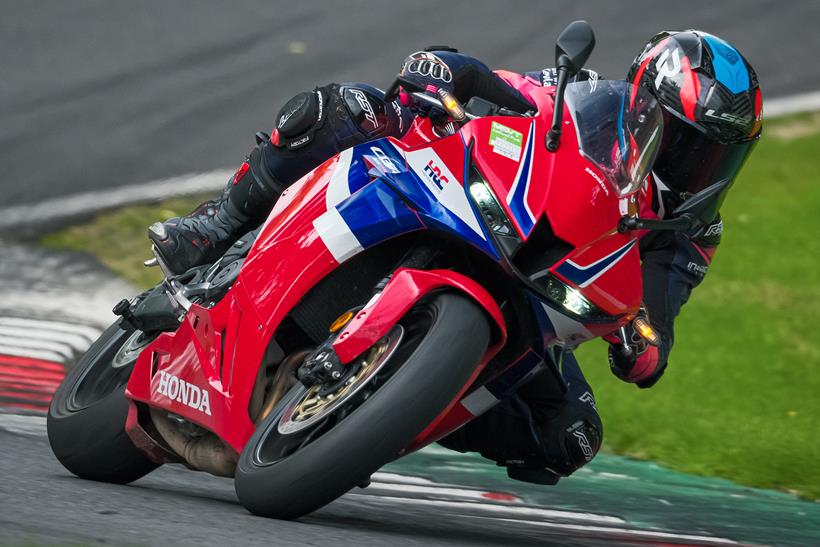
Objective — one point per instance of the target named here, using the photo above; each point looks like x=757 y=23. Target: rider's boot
x=204 y=235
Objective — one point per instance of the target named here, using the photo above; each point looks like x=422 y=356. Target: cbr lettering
x=385 y=161
x=434 y=173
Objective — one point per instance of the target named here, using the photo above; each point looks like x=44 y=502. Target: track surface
x=100 y=94
x=613 y=502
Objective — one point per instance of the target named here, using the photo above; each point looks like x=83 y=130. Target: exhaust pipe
x=207 y=453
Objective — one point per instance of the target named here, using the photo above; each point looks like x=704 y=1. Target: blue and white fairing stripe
x=582 y=276
x=517 y=198
x=363 y=212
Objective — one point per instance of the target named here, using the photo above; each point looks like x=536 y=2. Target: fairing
x=377 y=191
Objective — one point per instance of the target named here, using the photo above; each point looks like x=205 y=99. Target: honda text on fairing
x=423 y=279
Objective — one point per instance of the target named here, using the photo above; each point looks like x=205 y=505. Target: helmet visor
x=689 y=160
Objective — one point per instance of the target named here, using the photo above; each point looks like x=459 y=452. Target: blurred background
x=101 y=95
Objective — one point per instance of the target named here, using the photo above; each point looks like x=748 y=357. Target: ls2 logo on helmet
x=668 y=66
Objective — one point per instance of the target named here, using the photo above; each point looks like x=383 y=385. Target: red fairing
x=568 y=206
x=205 y=372
x=243 y=321
x=405 y=288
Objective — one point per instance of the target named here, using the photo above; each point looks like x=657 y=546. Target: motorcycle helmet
x=711 y=106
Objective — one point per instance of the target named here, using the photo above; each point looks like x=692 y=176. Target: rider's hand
x=638 y=362
x=425 y=70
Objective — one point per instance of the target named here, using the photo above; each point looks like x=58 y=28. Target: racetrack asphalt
x=98 y=94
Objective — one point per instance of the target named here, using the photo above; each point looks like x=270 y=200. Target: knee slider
x=300 y=118
x=572 y=439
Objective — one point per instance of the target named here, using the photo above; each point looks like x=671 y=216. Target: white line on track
x=23 y=345
x=89 y=333
x=793 y=104
x=464 y=494
x=71 y=342
x=90 y=202
x=32 y=426
x=193 y=183
x=45 y=355
x=499 y=510
x=625 y=533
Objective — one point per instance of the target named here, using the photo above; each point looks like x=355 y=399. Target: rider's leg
x=310 y=128
x=541 y=428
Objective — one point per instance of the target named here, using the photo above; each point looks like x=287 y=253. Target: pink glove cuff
x=645 y=365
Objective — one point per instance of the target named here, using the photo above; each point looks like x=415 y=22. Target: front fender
x=402 y=292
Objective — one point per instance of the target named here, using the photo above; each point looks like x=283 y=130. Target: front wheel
x=316 y=446
x=86 y=418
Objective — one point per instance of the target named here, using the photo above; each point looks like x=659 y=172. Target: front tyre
x=86 y=419
x=291 y=467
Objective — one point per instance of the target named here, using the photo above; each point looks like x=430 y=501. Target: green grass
x=741 y=397
x=119 y=238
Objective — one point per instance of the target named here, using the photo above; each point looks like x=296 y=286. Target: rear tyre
x=86 y=419
x=287 y=475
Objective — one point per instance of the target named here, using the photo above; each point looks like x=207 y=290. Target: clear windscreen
x=619 y=129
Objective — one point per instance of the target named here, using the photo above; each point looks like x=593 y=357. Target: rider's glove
x=427 y=71
x=637 y=362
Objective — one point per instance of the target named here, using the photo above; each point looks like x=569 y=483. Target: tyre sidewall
x=375 y=432
x=91 y=442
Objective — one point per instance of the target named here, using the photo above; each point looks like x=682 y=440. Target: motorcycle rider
x=711 y=104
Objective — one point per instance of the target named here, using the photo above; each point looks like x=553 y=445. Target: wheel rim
x=311 y=406
x=131 y=349
x=110 y=370
x=273 y=446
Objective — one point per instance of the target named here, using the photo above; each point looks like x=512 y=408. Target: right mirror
x=574 y=46
x=705 y=204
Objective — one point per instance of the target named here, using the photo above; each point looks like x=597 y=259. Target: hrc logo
x=433 y=172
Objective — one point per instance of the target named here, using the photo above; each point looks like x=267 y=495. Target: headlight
x=494 y=216
x=497 y=220
x=570 y=299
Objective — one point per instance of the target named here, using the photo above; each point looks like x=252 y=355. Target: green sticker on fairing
x=506 y=141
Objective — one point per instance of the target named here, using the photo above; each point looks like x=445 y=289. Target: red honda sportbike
x=397 y=291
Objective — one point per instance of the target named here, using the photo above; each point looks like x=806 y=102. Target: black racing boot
x=204 y=235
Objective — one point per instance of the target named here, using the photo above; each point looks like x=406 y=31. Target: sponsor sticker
x=506 y=141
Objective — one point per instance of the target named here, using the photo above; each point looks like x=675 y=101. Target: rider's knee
x=572 y=438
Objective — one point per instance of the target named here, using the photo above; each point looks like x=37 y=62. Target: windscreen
x=619 y=129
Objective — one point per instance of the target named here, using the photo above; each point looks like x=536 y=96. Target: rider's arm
x=673 y=265
x=465 y=77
